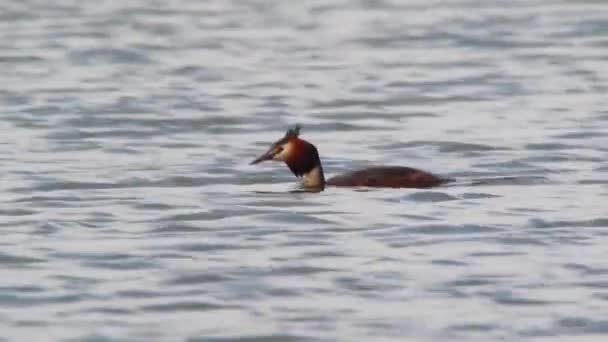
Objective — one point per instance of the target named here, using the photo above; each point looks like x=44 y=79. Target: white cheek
x=281 y=156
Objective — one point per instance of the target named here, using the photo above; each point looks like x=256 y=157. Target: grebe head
x=300 y=156
x=281 y=149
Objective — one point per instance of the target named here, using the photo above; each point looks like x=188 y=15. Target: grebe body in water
x=303 y=160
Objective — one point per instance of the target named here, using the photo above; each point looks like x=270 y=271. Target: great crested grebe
x=303 y=160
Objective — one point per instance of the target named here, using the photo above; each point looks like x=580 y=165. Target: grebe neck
x=303 y=160
x=314 y=179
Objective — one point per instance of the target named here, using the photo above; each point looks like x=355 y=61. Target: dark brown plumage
x=388 y=177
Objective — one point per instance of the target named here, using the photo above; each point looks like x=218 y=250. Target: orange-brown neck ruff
x=303 y=157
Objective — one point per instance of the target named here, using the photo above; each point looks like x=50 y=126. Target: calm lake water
x=129 y=211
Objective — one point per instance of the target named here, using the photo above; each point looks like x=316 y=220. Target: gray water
x=129 y=211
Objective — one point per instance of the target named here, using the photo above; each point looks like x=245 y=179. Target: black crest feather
x=293 y=132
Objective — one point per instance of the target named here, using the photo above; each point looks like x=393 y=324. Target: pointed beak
x=266 y=156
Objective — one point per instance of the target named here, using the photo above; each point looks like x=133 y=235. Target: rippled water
x=130 y=213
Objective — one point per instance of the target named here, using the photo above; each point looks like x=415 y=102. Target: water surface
x=129 y=211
